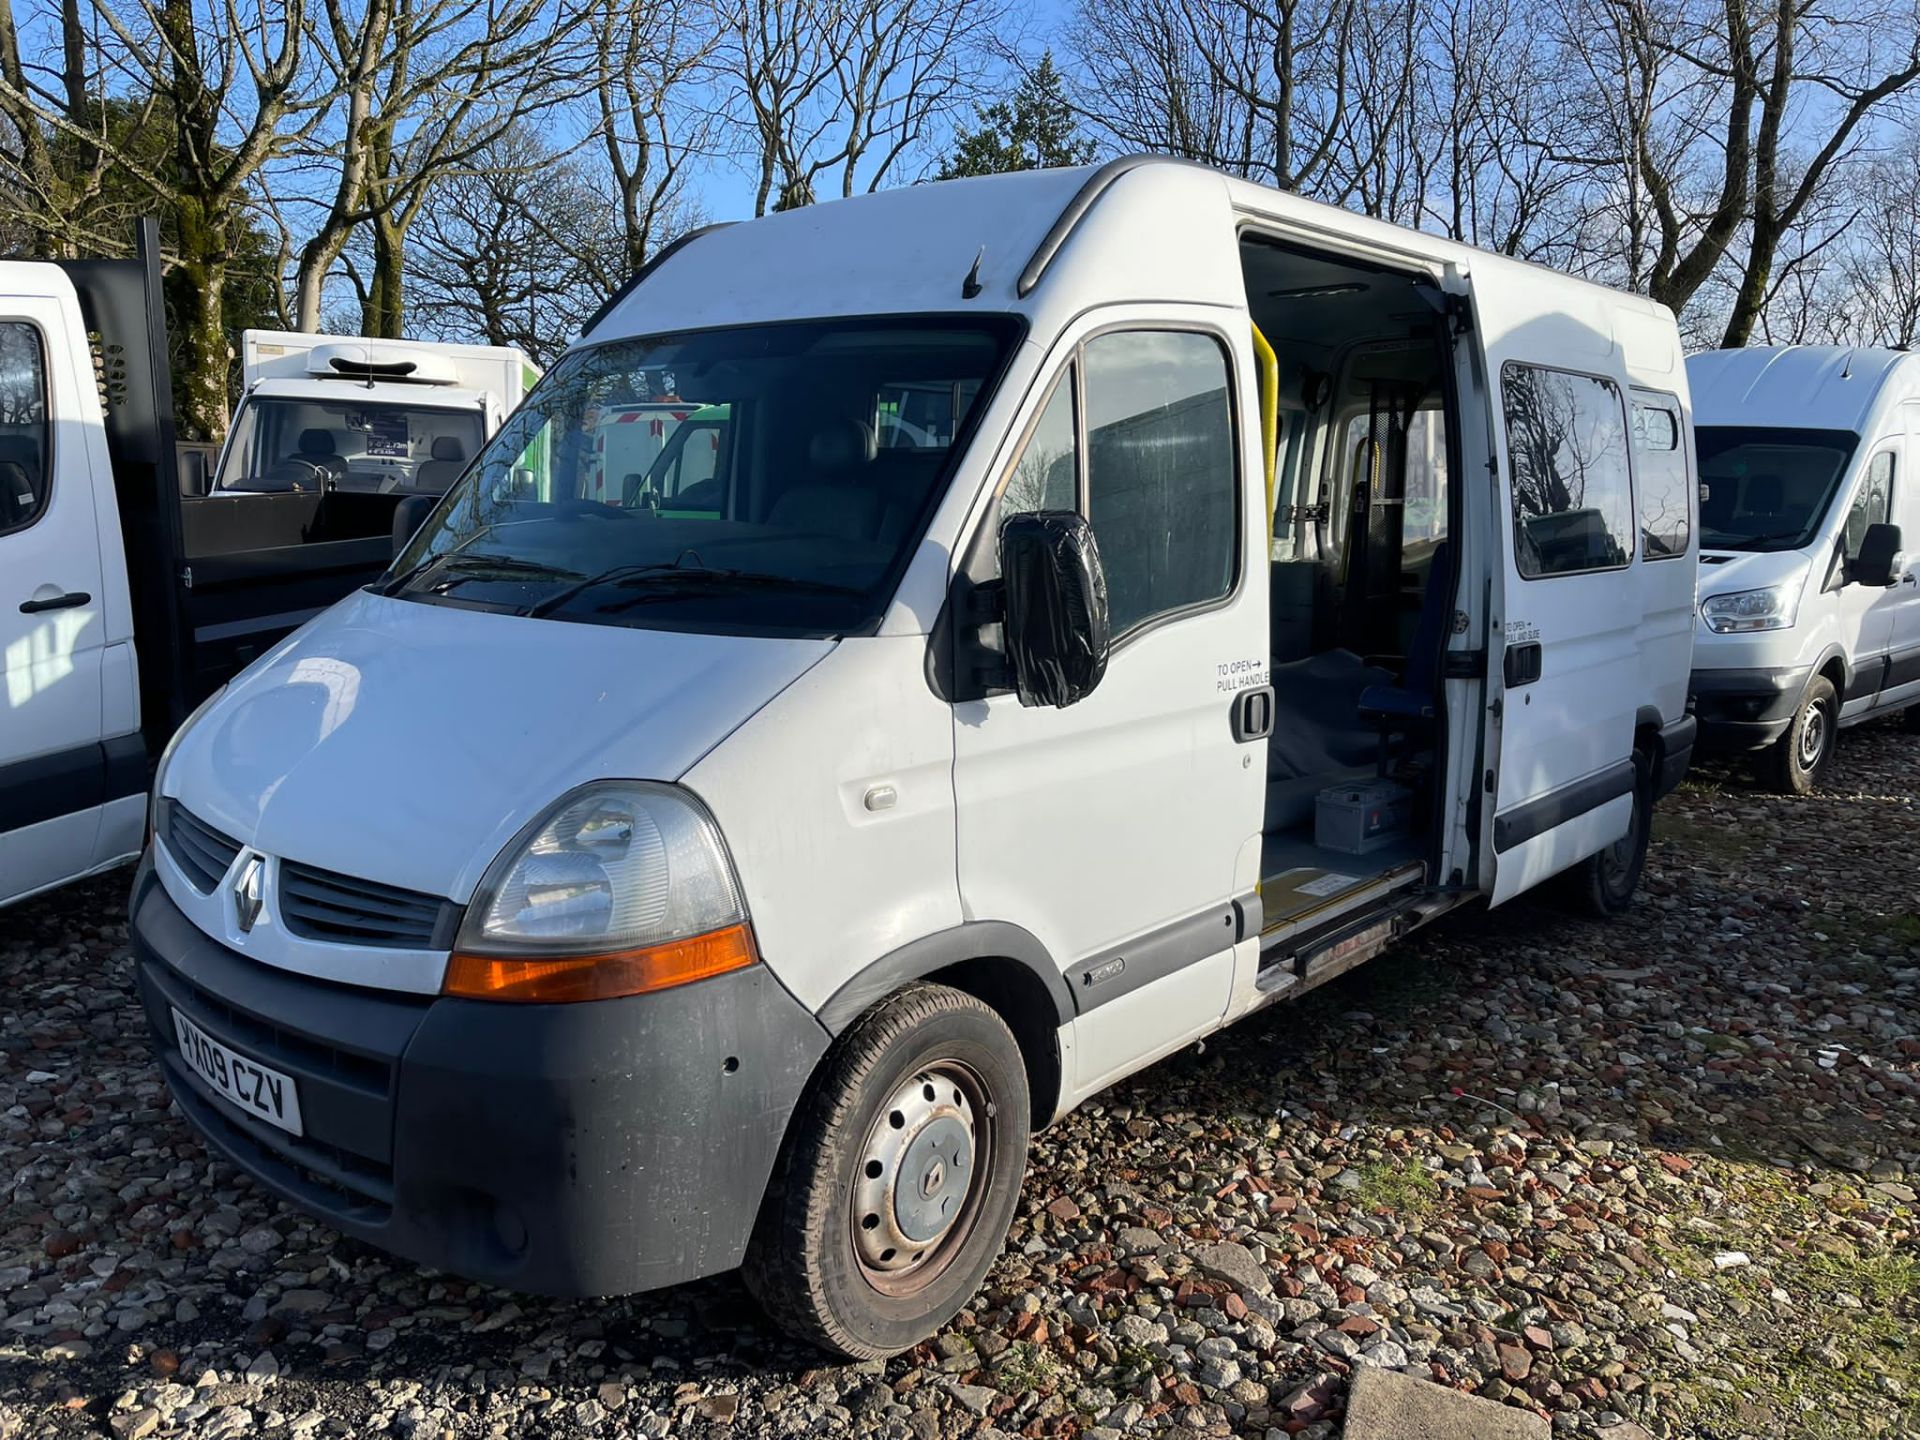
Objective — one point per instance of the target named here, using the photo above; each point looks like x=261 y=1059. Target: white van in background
x=1096 y=623
x=1809 y=609
x=324 y=412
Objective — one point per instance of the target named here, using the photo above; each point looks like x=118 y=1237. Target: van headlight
x=1774 y=608
x=166 y=757
x=621 y=888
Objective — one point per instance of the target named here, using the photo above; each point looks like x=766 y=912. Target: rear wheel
x=899 y=1178
x=1797 y=764
x=1603 y=885
x=1910 y=717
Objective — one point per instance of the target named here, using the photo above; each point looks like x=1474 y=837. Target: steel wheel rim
x=1813 y=737
x=921 y=1174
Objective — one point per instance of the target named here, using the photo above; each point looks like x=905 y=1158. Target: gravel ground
x=1648 y=1176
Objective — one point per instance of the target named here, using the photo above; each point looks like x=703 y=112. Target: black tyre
x=1797 y=764
x=899 y=1177
x=1603 y=885
x=1910 y=718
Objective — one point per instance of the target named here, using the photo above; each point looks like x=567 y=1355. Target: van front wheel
x=1799 y=759
x=899 y=1177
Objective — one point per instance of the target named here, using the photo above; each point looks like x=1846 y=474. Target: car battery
x=1362 y=816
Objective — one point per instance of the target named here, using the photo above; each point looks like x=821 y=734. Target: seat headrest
x=317 y=442
x=841 y=444
x=448 y=447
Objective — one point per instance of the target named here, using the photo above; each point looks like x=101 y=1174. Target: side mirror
x=408 y=516
x=1879 y=561
x=1057 y=633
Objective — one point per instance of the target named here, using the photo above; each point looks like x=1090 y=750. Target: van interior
x=1354 y=368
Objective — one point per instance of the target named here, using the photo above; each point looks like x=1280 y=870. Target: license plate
x=259 y=1090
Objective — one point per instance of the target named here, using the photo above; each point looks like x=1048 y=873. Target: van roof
x=1139 y=228
x=1815 y=387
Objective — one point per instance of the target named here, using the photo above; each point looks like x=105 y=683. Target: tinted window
x=1872 y=502
x=23 y=426
x=1663 y=479
x=1572 y=491
x=1044 y=476
x=1767 y=488
x=1162 y=485
x=765 y=504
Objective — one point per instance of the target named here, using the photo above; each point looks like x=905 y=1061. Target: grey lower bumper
x=590 y=1149
x=1746 y=709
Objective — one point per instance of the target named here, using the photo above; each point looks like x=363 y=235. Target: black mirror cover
x=408 y=516
x=1876 y=564
x=1057 y=632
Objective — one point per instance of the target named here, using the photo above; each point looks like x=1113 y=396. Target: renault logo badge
x=248 y=897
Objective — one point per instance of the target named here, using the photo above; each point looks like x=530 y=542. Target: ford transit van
x=1119 y=600
x=1809 y=609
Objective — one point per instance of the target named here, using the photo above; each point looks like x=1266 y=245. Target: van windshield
x=1767 y=488
x=771 y=479
x=283 y=443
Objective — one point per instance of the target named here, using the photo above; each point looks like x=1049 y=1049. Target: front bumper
x=574 y=1150
x=1746 y=709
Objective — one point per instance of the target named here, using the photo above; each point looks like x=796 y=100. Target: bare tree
x=515 y=251
x=1496 y=122
x=429 y=85
x=1872 y=294
x=652 y=64
x=1706 y=98
x=836 y=94
x=228 y=88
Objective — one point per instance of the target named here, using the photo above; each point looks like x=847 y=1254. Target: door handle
x=55 y=602
x=1522 y=664
x=1253 y=714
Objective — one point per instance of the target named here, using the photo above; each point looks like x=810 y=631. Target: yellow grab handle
x=1266 y=369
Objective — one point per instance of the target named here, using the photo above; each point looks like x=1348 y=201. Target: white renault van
x=1125 y=598
x=1809 y=612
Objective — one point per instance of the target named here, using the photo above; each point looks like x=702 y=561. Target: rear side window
x=24 y=468
x=1572 y=489
x=1162 y=483
x=1872 y=502
x=1662 y=466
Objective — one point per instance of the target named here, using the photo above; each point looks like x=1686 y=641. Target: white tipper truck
x=129 y=594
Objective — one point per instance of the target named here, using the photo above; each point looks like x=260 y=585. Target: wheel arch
x=1002 y=965
x=1836 y=668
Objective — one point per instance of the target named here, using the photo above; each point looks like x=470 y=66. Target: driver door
x=1115 y=830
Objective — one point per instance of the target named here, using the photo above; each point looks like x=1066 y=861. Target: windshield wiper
x=461 y=567
x=1749 y=542
x=664 y=580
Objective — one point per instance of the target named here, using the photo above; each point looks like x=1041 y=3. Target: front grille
x=323 y=905
x=202 y=852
